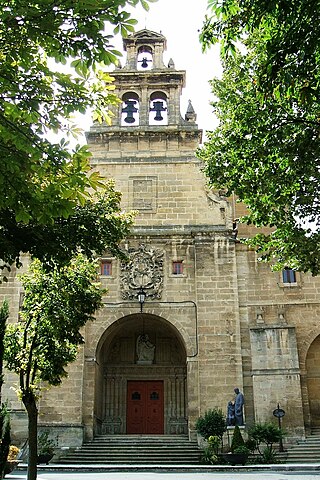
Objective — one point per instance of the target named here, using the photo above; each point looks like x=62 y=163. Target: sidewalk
x=148 y=472
x=278 y=467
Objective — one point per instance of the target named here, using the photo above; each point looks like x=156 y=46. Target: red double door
x=145 y=407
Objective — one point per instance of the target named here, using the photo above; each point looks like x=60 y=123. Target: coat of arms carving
x=144 y=269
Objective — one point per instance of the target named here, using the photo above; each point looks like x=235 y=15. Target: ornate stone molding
x=144 y=269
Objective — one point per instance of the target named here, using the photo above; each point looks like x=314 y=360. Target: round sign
x=279 y=413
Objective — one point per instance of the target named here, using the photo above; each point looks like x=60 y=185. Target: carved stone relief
x=145 y=350
x=144 y=269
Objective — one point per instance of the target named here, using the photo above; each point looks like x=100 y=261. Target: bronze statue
x=238 y=407
x=230 y=414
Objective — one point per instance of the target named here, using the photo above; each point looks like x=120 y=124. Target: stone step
x=141 y=448
x=305 y=451
x=136 y=449
x=140 y=452
x=141 y=438
x=133 y=461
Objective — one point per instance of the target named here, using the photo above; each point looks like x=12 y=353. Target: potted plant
x=46 y=448
x=12 y=461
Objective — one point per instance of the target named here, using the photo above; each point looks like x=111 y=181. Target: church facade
x=193 y=314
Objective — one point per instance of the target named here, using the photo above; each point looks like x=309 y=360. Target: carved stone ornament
x=144 y=269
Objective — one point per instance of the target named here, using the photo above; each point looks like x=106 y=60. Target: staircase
x=305 y=451
x=136 y=450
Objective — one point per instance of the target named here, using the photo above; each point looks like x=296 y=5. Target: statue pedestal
x=144 y=362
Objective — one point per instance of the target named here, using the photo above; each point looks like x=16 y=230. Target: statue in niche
x=145 y=350
x=115 y=352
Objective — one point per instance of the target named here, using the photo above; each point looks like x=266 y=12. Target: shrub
x=268 y=434
x=242 y=450
x=268 y=455
x=251 y=444
x=237 y=440
x=46 y=445
x=13 y=453
x=211 y=452
x=212 y=423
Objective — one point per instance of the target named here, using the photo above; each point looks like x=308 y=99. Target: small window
x=289 y=276
x=177 y=267
x=106 y=268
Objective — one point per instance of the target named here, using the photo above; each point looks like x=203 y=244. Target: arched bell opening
x=313 y=381
x=141 y=385
x=158 y=110
x=145 y=58
x=130 y=109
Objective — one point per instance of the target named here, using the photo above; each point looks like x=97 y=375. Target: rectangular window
x=289 y=276
x=106 y=268
x=177 y=267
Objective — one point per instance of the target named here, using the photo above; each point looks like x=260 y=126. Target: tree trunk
x=5 y=440
x=29 y=402
x=4 y=415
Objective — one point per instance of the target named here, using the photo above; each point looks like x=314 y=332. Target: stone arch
x=118 y=364
x=305 y=346
x=312 y=367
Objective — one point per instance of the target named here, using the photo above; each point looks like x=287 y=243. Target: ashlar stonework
x=214 y=317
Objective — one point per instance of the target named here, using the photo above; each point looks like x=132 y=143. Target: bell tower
x=177 y=247
x=150 y=94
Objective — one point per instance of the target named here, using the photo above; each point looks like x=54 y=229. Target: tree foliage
x=56 y=305
x=91 y=228
x=42 y=180
x=266 y=147
x=266 y=434
x=211 y=423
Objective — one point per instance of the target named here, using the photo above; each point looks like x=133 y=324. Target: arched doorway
x=313 y=381
x=141 y=379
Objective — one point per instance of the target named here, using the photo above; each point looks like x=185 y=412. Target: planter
x=44 y=458
x=235 y=458
x=10 y=466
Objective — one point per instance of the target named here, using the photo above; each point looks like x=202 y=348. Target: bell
x=158 y=108
x=130 y=109
x=144 y=63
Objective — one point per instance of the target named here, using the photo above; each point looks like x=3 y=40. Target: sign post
x=279 y=413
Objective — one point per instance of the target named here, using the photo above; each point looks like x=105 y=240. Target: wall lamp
x=141 y=297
